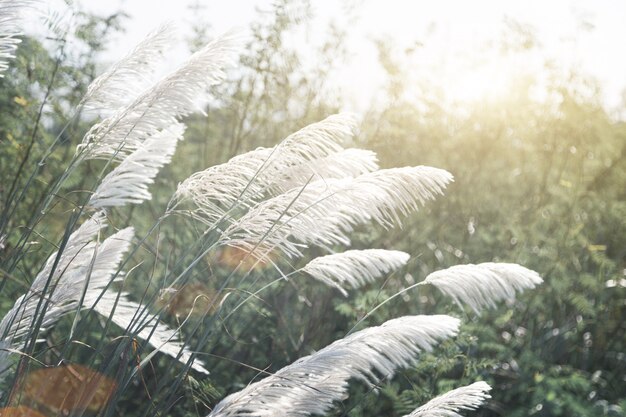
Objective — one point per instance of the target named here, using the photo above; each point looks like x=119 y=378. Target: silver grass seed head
x=248 y=178
x=469 y=397
x=184 y=91
x=354 y=268
x=311 y=385
x=485 y=284
x=323 y=213
x=11 y=14
x=128 y=77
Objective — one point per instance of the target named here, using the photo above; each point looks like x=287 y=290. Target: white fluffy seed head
x=355 y=268
x=134 y=317
x=131 y=75
x=85 y=265
x=128 y=182
x=469 y=397
x=484 y=285
x=323 y=213
x=310 y=385
x=252 y=176
x=184 y=91
x=11 y=13
x=347 y=163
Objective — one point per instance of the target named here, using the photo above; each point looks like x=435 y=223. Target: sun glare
x=467 y=71
x=489 y=81
x=464 y=53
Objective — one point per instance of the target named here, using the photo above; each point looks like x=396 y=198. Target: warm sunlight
x=487 y=81
x=359 y=208
x=455 y=45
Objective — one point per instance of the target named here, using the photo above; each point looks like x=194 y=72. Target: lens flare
x=69 y=388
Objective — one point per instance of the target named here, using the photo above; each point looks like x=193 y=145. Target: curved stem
x=372 y=311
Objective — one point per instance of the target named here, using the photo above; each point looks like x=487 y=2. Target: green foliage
x=539 y=183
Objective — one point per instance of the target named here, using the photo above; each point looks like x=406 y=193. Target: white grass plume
x=311 y=384
x=84 y=265
x=246 y=178
x=317 y=139
x=485 y=284
x=323 y=213
x=131 y=75
x=215 y=190
x=11 y=12
x=469 y=397
x=355 y=268
x=399 y=191
x=132 y=316
x=184 y=91
x=347 y=163
x=128 y=182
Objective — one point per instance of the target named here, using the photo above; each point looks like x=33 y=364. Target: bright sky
x=586 y=34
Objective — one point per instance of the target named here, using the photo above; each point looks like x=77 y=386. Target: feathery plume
x=128 y=182
x=131 y=75
x=311 y=384
x=355 y=268
x=485 y=284
x=84 y=265
x=317 y=139
x=400 y=191
x=246 y=178
x=323 y=213
x=133 y=317
x=11 y=12
x=218 y=188
x=347 y=163
x=469 y=397
x=184 y=91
